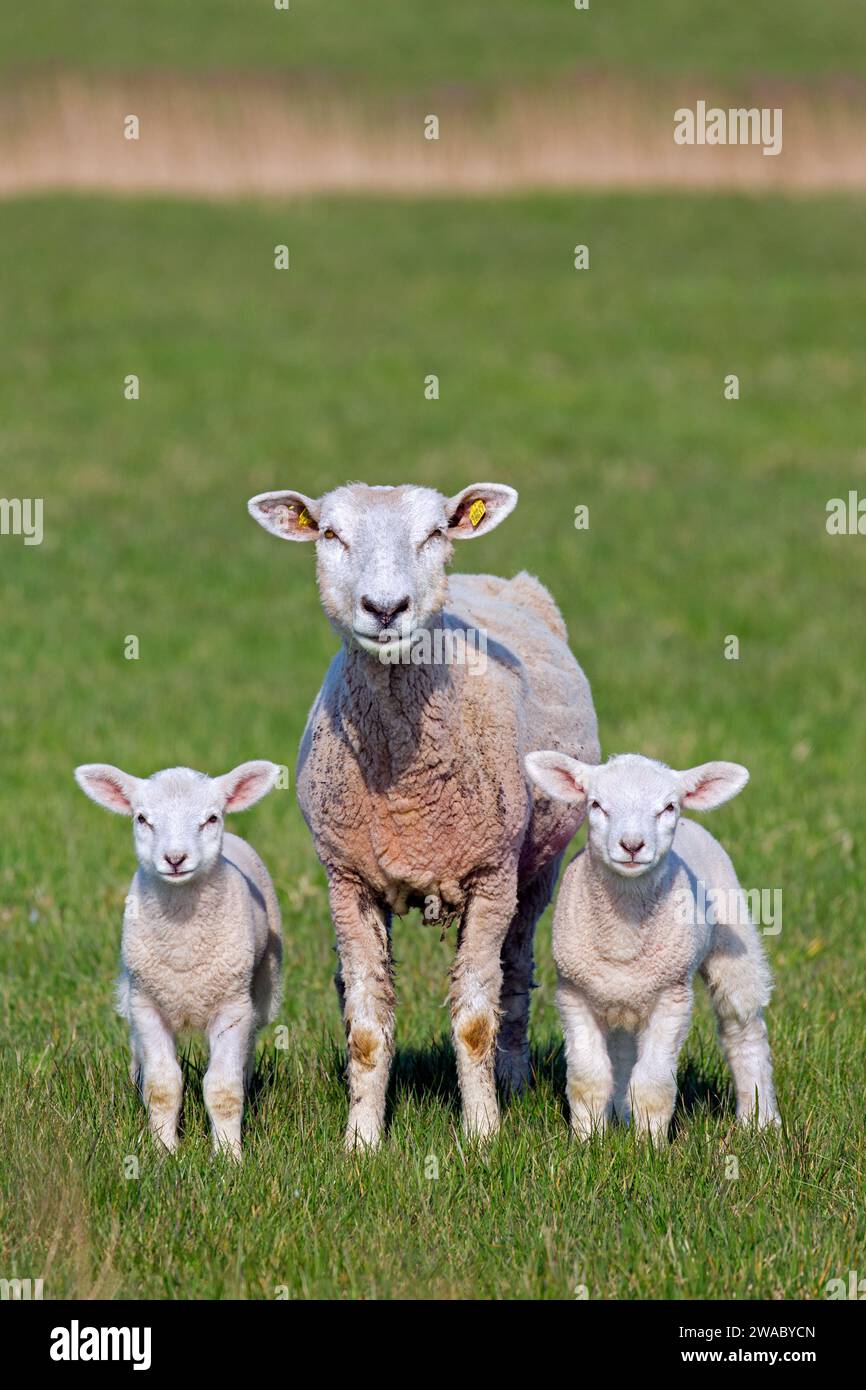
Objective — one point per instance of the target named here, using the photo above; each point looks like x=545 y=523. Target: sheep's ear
x=477 y=509
x=246 y=784
x=289 y=515
x=559 y=776
x=705 y=787
x=107 y=786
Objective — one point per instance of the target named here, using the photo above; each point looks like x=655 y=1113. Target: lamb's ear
x=558 y=775
x=705 y=787
x=246 y=784
x=477 y=509
x=107 y=786
x=289 y=515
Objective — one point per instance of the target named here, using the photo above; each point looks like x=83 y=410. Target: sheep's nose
x=631 y=846
x=175 y=859
x=385 y=613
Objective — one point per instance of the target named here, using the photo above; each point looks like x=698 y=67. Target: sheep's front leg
x=230 y=1035
x=653 y=1088
x=476 y=982
x=366 y=990
x=158 y=1073
x=589 y=1072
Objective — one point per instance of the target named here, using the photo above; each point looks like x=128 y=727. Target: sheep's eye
x=669 y=808
x=142 y=818
x=329 y=534
x=434 y=535
x=596 y=806
x=212 y=820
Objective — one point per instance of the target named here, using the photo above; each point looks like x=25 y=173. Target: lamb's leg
x=512 y=1052
x=476 y=984
x=365 y=988
x=158 y=1073
x=229 y=1036
x=747 y=1049
x=589 y=1073
x=653 y=1087
x=738 y=978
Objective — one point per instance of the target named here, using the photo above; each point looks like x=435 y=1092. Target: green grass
x=707 y=519
x=407 y=43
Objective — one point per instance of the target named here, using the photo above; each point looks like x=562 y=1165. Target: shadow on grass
x=430 y=1074
x=698 y=1091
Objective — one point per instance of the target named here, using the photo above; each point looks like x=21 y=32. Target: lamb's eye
x=329 y=534
x=669 y=809
x=434 y=536
x=141 y=818
x=212 y=820
x=596 y=806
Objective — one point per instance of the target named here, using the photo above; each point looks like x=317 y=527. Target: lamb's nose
x=174 y=859
x=386 y=612
x=631 y=846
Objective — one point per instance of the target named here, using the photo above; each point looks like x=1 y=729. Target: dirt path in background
x=229 y=135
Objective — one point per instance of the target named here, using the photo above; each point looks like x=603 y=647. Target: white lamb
x=201 y=946
x=630 y=931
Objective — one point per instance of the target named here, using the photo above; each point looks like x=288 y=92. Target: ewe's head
x=633 y=803
x=381 y=551
x=177 y=815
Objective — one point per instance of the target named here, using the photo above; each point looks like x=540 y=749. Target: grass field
x=706 y=519
x=407 y=43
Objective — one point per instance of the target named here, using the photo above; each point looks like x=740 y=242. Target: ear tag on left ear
x=477 y=511
x=304 y=518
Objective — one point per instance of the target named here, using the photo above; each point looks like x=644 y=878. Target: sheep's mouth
x=175 y=874
x=386 y=644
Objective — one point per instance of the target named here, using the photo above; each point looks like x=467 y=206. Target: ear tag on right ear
x=304 y=518
x=477 y=511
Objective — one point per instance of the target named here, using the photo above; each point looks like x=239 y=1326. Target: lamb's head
x=634 y=803
x=382 y=551
x=177 y=814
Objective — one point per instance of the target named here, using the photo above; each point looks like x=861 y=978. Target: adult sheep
x=411 y=777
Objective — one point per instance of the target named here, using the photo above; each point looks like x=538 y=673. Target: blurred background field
x=410 y=44
x=235 y=97
x=707 y=518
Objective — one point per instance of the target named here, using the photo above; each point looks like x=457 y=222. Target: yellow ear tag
x=477 y=511
x=304 y=518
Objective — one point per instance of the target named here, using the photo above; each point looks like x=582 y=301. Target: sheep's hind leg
x=476 y=986
x=518 y=964
x=365 y=989
x=738 y=978
x=747 y=1049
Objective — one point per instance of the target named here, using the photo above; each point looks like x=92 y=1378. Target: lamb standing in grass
x=201 y=946
x=628 y=936
x=411 y=776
